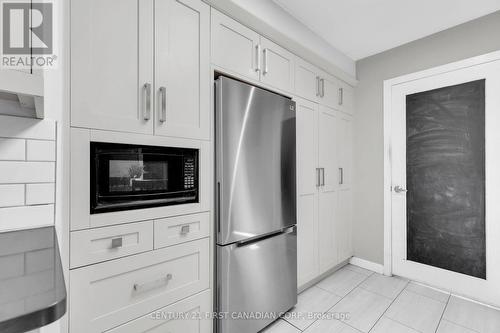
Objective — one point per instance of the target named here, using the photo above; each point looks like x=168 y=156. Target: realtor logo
x=27 y=34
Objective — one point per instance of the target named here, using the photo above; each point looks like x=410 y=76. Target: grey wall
x=464 y=41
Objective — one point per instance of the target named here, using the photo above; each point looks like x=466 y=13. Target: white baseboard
x=369 y=265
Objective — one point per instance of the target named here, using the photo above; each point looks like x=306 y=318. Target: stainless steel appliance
x=127 y=177
x=255 y=206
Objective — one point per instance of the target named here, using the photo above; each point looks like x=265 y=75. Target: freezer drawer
x=256 y=278
x=255 y=158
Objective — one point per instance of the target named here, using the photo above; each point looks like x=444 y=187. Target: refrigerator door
x=255 y=159
x=257 y=278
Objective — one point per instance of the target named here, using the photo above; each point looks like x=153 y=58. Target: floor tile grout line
x=442 y=314
x=403 y=324
x=341 y=297
x=376 y=322
x=462 y=326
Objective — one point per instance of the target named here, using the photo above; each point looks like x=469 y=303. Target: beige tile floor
x=355 y=300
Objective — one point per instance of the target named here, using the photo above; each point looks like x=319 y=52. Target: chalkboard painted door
x=445 y=158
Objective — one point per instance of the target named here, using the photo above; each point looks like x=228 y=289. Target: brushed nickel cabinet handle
x=185 y=229
x=322 y=176
x=257 y=51
x=146 y=107
x=318 y=177
x=266 y=68
x=152 y=285
x=317 y=87
x=163 y=105
x=116 y=242
x=341 y=176
x=341 y=96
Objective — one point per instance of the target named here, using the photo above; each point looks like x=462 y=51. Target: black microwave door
x=140 y=177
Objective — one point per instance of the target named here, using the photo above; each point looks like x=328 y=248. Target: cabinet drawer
x=170 y=319
x=180 y=229
x=109 y=294
x=97 y=245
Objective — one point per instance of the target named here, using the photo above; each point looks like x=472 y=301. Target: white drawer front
x=186 y=316
x=180 y=229
x=97 y=245
x=109 y=294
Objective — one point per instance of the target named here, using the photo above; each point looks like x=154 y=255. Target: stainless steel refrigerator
x=256 y=249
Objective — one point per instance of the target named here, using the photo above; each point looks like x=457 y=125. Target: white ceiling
x=360 y=28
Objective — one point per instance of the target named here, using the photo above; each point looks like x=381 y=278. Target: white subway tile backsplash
x=39 y=194
x=26 y=172
x=36 y=283
x=37 y=150
x=18 y=127
x=12 y=149
x=26 y=217
x=11 y=195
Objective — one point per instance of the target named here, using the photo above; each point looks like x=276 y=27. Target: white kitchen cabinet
x=307 y=192
x=329 y=91
x=307 y=84
x=328 y=188
x=277 y=66
x=346 y=98
x=235 y=47
x=182 y=97
x=324 y=202
x=194 y=308
x=108 y=294
x=112 y=64
x=344 y=220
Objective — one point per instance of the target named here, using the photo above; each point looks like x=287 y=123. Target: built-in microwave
x=125 y=177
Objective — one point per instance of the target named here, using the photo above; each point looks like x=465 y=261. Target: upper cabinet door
x=182 y=87
x=345 y=140
x=277 y=66
x=329 y=91
x=346 y=98
x=306 y=80
x=112 y=65
x=235 y=47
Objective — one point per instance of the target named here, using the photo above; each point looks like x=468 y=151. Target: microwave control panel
x=189 y=173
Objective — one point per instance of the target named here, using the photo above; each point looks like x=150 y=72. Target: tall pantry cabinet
x=324 y=168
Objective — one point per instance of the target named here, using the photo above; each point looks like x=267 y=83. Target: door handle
x=318 y=177
x=146 y=107
x=317 y=86
x=322 y=176
x=257 y=51
x=400 y=189
x=163 y=105
x=322 y=87
x=341 y=96
x=266 y=69
x=341 y=176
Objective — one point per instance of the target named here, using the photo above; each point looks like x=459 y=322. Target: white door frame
x=388 y=84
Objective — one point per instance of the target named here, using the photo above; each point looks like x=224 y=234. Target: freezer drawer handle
x=151 y=285
x=185 y=229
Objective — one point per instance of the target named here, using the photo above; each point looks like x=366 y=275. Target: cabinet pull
x=146 y=107
x=266 y=69
x=318 y=177
x=322 y=176
x=317 y=86
x=341 y=176
x=341 y=96
x=116 y=242
x=257 y=51
x=154 y=284
x=185 y=229
x=163 y=105
x=322 y=87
